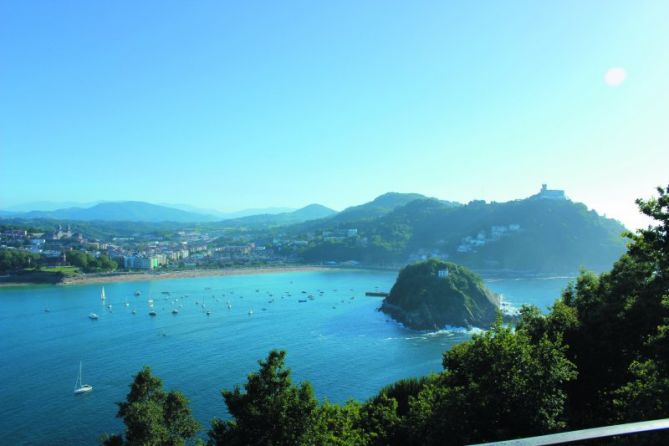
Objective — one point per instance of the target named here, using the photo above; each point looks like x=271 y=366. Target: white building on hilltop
x=550 y=194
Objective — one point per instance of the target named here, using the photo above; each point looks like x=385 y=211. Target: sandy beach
x=163 y=275
x=143 y=276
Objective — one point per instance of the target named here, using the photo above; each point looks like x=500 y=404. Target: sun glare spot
x=615 y=76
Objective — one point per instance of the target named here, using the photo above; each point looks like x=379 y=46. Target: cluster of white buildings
x=470 y=243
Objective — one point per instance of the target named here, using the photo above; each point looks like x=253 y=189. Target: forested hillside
x=524 y=235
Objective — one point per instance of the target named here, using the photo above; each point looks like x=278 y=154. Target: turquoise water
x=338 y=341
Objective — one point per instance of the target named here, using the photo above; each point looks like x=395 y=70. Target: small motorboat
x=93 y=316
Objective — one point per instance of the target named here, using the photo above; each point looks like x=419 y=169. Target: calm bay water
x=338 y=341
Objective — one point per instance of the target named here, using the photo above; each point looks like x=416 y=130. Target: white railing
x=584 y=434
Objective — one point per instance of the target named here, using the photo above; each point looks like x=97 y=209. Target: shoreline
x=84 y=279
x=183 y=274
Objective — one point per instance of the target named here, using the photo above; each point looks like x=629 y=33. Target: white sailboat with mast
x=102 y=295
x=79 y=387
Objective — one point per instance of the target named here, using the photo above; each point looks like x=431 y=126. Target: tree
x=335 y=425
x=271 y=410
x=152 y=416
x=384 y=419
x=498 y=385
x=89 y=263
x=380 y=422
x=14 y=260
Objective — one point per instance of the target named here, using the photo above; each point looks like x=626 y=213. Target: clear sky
x=232 y=105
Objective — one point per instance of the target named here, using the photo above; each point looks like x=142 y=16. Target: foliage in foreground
x=153 y=416
x=600 y=356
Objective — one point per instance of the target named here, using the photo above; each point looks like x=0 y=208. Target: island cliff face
x=432 y=294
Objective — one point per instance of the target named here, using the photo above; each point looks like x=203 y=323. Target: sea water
x=338 y=341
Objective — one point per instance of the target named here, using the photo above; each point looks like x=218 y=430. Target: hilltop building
x=550 y=194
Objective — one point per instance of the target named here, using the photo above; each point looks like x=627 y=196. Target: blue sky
x=252 y=104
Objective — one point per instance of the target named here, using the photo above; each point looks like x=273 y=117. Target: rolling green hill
x=532 y=235
x=307 y=213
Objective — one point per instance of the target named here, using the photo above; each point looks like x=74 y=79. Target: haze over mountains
x=138 y=211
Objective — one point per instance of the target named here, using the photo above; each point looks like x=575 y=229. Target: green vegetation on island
x=599 y=357
x=432 y=294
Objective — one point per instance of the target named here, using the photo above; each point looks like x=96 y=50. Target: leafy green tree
x=335 y=425
x=89 y=263
x=79 y=259
x=105 y=263
x=271 y=410
x=153 y=416
x=385 y=415
x=380 y=422
x=498 y=385
x=15 y=260
x=621 y=325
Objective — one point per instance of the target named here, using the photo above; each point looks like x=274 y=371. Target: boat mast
x=77 y=383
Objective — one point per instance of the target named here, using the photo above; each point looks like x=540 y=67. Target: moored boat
x=79 y=387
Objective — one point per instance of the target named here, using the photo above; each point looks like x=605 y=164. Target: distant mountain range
x=117 y=211
x=138 y=211
x=307 y=213
x=229 y=215
x=46 y=206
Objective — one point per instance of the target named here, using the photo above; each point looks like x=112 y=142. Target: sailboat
x=79 y=387
x=102 y=294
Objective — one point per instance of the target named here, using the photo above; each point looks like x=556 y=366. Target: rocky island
x=432 y=294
